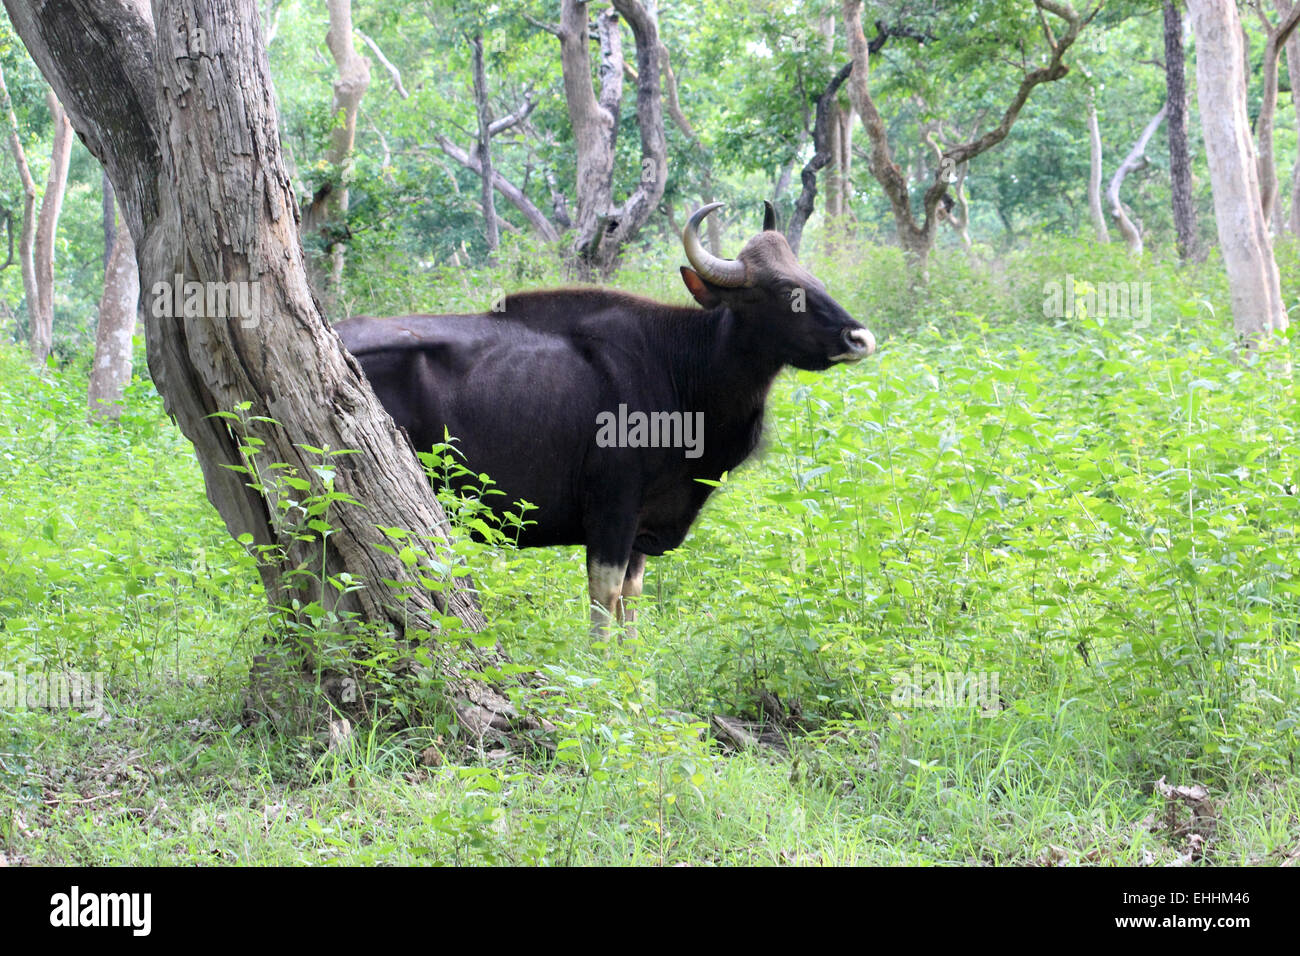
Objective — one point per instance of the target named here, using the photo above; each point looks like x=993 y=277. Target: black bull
x=602 y=409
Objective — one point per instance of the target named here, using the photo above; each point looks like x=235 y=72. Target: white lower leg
x=605 y=588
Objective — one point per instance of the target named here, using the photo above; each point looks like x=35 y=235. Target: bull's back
x=515 y=401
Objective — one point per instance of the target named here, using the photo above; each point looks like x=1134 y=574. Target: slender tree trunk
x=1293 y=73
x=1277 y=37
x=186 y=122
x=1244 y=239
x=27 y=237
x=1180 y=159
x=1094 y=172
x=492 y=232
x=47 y=225
x=327 y=215
x=674 y=107
x=108 y=214
x=1135 y=159
x=821 y=157
x=110 y=371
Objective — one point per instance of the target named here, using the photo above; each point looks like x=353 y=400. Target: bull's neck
x=731 y=383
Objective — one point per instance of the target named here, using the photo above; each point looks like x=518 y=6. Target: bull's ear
x=769 y=217
x=700 y=289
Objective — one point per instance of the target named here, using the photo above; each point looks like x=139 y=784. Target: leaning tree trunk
x=111 y=368
x=185 y=121
x=821 y=157
x=1244 y=240
x=1094 y=172
x=1136 y=158
x=1180 y=157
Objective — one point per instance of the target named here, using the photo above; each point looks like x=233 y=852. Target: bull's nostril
x=862 y=339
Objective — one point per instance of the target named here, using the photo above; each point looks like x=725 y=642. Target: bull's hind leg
x=633 y=581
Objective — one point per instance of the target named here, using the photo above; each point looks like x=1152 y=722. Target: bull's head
x=766 y=286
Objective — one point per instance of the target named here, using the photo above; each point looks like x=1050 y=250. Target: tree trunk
x=1293 y=73
x=328 y=213
x=1094 y=172
x=27 y=237
x=821 y=157
x=1244 y=240
x=108 y=215
x=185 y=120
x=674 y=106
x=917 y=239
x=1276 y=39
x=110 y=371
x=483 y=109
x=1135 y=158
x=47 y=226
x=601 y=228
x=1180 y=159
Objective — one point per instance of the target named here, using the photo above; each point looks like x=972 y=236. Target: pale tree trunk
x=1094 y=172
x=108 y=216
x=1135 y=159
x=1277 y=37
x=110 y=370
x=512 y=193
x=327 y=215
x=1244 y=241
x=1293 y=73
x=954 y=210
x=185 y=120
x=839 y=173
x=917 y=238
x=1180 y=157
x=47 y=227
x=483 y=109
x=601 y=226
x=27 y=236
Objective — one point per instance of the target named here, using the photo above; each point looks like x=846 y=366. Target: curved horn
x=769 y=217
x=727 y=273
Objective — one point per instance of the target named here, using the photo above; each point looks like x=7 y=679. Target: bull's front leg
x=605 y=589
